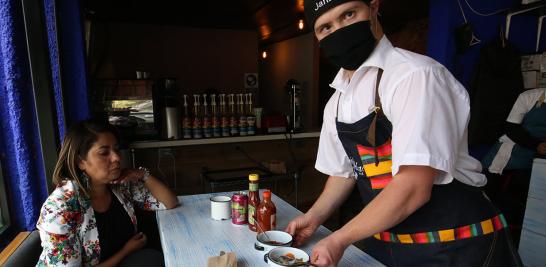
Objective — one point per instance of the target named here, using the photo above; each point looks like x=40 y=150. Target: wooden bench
x=23 y=250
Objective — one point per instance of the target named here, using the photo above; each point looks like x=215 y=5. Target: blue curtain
x=67 y=57
x=20 y=150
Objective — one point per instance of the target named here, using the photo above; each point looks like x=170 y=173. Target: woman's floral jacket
x=67 y=225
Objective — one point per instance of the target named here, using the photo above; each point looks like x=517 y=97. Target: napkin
x=224 y=260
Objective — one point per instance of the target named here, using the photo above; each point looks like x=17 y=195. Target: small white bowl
x=271 y=258
x=284 y=239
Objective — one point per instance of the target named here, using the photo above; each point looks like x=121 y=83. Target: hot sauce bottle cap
x=253 y=177
x=267 y=194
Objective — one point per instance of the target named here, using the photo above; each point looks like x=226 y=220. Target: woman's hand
x=135 y=243
x=129 y=175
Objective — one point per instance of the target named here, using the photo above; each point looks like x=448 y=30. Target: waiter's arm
x=408 y=191
x=335 y=192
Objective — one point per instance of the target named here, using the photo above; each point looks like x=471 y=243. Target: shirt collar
x=377 y=59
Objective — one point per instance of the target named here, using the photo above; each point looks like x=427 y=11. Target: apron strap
x=378 y=112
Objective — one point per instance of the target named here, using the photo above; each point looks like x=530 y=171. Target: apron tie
x=378 y=112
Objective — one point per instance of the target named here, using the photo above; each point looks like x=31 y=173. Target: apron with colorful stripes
x=458 y=221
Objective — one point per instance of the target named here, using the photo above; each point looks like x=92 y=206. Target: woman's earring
x=86 y=178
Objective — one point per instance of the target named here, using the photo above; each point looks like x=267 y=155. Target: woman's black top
x=115 y=229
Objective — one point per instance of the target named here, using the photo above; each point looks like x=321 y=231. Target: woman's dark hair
x=76 y=143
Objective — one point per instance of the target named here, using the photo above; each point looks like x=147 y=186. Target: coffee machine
x=293 y=89
x=168 y=113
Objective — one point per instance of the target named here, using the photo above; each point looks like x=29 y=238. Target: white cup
x=220 y=208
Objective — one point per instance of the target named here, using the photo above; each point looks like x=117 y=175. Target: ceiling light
x=264 y=54
x=300 y=24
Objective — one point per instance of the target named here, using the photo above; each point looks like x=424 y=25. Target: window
x=4 y=214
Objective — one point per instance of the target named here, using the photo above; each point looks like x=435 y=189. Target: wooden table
x=189 y=236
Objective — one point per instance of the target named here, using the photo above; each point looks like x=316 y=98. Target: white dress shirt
x=428 y=108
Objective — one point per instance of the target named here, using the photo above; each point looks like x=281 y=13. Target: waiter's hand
x=301 y=228
x=328 y=252
x=541 y=149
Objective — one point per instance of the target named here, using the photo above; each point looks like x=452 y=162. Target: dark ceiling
x=274 y=20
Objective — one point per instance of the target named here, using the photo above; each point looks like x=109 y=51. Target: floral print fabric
x=67 y=226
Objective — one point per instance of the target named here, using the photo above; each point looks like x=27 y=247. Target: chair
x=24 y=250
x=237 y=179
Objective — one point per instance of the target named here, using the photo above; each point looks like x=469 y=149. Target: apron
x=517 y=157
x=457 y=227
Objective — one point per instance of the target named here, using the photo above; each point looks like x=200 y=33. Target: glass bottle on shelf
x=267 y=213
x=233 y=122
x=186 y=120
x=242 y=116
x=207 y=129
x=216 y=132
x=250 y=119
x=225 y=118
x=253 y=200
x=197 y=122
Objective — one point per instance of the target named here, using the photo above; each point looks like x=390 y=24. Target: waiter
x=396 y=127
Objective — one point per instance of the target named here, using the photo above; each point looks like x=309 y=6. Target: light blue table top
x=189 y=236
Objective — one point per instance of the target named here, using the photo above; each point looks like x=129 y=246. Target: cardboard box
x=531 y=62
x=531 y=79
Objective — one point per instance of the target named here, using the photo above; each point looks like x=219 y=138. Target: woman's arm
x=135 y=243
x=161 y=192
x=60 y=218
x=520 y=136
x=150 y=193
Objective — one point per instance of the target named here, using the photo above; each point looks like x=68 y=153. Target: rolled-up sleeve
x=429 y=113
x=144 y=198
x=331 y=157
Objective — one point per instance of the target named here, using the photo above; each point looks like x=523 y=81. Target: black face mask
x=349 y=46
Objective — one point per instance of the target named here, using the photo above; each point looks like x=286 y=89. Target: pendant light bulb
x=300 y=24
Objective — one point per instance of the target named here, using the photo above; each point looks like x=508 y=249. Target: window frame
x=4 y=207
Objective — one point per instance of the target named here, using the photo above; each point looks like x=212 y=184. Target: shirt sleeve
x=429 y=112
x=524 y=104
x=143 y=197
x=57 y=226
x=331 y=157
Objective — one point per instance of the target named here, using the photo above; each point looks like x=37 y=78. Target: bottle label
x=233 y=126
x=273 y=221
x=197 y=128
x=253 y=187
x=207 y=130
x=251 y=121
x=225 y=126
x=186 y=127
x=216 y=131
x=242 y=126
x=251 y=214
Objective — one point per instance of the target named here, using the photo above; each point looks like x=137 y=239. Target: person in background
x=396 y=127
x=89 y=219
x=524 y=140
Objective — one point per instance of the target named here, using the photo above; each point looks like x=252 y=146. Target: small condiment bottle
x=253 y=200
x=267 y=213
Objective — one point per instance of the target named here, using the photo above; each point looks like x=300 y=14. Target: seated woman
x=525 y=136
x=524 y=140
x=89 y=219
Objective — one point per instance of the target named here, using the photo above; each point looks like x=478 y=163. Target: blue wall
x=445 y=16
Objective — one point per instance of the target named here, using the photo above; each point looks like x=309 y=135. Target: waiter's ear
x=374 y=8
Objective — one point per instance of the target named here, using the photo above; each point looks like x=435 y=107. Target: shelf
x=221 y=140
